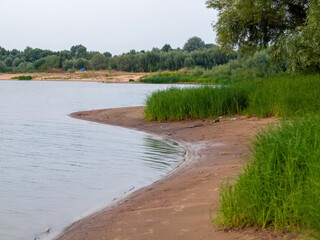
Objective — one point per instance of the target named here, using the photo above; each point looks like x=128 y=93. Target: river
x=55 y=169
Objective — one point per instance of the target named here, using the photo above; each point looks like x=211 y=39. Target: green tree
x=166 y=48
x=39 y=64
x=16 y=62
x=107 y=54
x=98 y=62
x=52 y=61
x=252 y=24
x=3 y=67
x=193 y=44
x=81 y=63
x=189 y=62
x=303 y=47
x=67 y=64
x=8 y=61
x=78 y=51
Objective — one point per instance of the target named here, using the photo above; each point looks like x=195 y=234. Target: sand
x=179 y=206
x=89 y=76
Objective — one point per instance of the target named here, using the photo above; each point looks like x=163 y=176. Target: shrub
x=22 y=77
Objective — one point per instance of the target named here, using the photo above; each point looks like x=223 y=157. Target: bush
x=23 y=77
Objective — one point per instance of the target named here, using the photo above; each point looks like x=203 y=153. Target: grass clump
x=280 y=186
x=23 y=77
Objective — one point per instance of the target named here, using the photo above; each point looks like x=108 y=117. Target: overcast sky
x=116 y=26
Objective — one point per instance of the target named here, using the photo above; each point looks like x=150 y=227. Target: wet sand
x=179 y=206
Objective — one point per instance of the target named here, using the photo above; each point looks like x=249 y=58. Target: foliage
x=249 y=24
x=98 y=62
x=166 y=48
x=194 y=43
x=303 y=47
x=280 y=185
x=23 y=77
x=78 y=51
x=67 y=64
x=204 y=55
x=258 y=65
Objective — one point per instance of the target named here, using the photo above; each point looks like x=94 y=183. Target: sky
x=116 y=26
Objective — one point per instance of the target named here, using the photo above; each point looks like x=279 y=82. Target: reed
x=194 y=102
x=284 y=96
x=280 y=185
x=281 y=96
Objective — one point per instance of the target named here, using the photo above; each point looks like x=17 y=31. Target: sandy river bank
x=89 y=76
x=180 y=205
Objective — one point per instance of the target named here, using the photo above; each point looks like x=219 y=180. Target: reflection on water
x=55 y=169
x=161 y=154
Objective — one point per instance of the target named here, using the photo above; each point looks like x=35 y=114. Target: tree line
x=195 y=52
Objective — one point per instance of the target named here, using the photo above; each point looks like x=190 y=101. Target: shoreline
x=178 y=206
x=89 y=76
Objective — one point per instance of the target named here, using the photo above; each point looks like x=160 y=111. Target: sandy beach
x=89 y=76
x=179 y=206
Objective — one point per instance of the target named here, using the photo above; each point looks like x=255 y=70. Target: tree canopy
x=256 y=23
x=289 y=26
x=193 y=44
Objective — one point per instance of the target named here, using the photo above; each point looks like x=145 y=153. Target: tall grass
x=284 y=95
x=195 y=75
x=281 y=95
x=280 y=186
x=194 y=102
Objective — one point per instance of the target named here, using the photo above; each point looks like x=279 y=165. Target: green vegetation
x=280 y=185
x=280 y=95
x=194 y=53
x=23 y=77
x=199 y=102
x=279 y=188
x=248 y=68
x=277 y=42
x=289 y=27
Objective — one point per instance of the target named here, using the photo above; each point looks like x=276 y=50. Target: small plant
x=131 y=80
x=52 y=78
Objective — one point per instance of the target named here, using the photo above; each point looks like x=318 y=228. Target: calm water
x=55 y=169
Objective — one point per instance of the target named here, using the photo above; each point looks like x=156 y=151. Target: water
x=55 y=169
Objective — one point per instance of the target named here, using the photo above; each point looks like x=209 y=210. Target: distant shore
x=85 y=76
x=180 y=205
